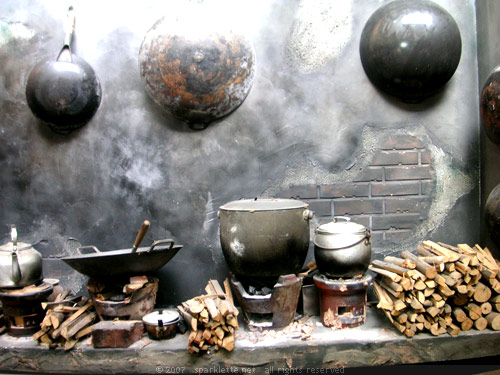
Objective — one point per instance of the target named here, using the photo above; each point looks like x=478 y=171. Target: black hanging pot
x=410 y=48
x=196 y=74
x=64 y=93
x=490 y=105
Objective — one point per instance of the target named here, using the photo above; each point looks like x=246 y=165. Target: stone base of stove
x=375 y=343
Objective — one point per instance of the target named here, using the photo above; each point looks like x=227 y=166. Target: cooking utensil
x=492 y=215
x=20 y=263
x=140 y=235
x=196 y=74
x=161 y=324
x=490 y=105
x=265 y=237
x=64 y=93
x=342 y=248
x=410 y=48
x=101 y=265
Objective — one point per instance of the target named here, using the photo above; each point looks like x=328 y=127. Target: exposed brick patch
x=391 y=196
x=425 y=157
x=346 y=190
x=395 y=188
x=408 y=173
x=402 y=142
x=407 y=205
x=395 y=221
x=302 y=192
x=320 y=207
x=371 y=174
x=426 y=187
x=357 y=206
x=396 y=158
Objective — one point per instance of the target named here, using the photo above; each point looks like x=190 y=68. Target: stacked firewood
x=68 y=319
x=3 y=327
x=442 y=289
x=212 y=318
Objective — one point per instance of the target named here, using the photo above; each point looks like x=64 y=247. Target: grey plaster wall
x=312 y=117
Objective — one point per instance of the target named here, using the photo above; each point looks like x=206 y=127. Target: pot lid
x=341 y=227
x=264 y=204
x=165 y=316
x=9 y=246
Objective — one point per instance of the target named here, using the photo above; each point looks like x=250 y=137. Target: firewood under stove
x=212 y=318
x=67 y=320
x=440 y=289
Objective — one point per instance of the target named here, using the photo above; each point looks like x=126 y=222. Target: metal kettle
x=20 y=263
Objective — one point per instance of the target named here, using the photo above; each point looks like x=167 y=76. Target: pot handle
x=365 y=238
x=337 y=218
x=15 y=272
x=308 y=214
x=160 y=242
x=69 y=29
x=79 y=250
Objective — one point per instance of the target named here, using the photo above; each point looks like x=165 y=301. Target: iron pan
x=105 y=264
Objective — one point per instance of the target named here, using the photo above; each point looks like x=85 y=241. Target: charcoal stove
x=342 y=301
x=275 y=309
x=22 y=308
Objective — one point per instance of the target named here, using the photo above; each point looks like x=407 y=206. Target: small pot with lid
x=20 y=263
x=342 y=248
x=161 y=324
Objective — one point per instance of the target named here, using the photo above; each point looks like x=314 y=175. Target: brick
x=346 y=190
x=396 y=158
x=425 y=157
x=426 y=187
x=407 y=205
x=395 y=188
x=395 y=221
x=377 y=240
x=370 y=174
x=320 y=207
x=402 y=142
x=396 y=236
x=362 y=219
x=120 y=334
x=299 y=191
x=408 y=173
x=357 y=206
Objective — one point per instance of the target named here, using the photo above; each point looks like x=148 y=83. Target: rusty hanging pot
x=196 y=72
x=490 y=105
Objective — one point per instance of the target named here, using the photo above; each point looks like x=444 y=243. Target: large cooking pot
x=195 y=69
x=20 y=263
x=410 y=48
x=342 y=248
x=265 y=237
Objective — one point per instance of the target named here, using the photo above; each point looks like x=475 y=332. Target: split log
x=405 y=263
x=425 y=268
x=493 y=319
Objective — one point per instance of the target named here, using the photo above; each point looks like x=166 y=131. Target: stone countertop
x=375 y=343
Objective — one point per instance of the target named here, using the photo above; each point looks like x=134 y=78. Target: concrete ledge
x=375 y=343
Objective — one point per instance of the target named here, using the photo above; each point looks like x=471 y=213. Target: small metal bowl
x=161 y=324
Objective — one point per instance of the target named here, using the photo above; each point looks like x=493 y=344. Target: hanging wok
x=196 y=74
x=64 y=93
x=105 y=264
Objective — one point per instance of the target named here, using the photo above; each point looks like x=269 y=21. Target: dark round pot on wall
x=196 y=72
x=410 y=48
x=492 y=215
x=490 y=105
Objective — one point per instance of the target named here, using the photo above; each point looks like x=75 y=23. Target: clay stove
x=22 y=308
x=342 y=301
x=274 y=309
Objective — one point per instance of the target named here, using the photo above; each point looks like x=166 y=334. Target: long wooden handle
x=141 y=234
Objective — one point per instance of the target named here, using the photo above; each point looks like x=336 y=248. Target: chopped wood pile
x=212 y=318
x=68 y=319
x=443 y=289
